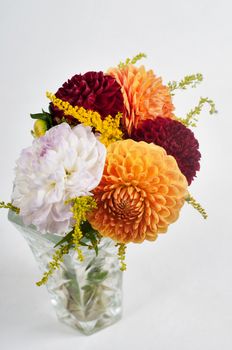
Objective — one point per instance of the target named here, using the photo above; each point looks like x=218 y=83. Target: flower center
x=126 y=203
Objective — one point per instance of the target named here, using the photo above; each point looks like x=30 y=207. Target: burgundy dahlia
x=176 y=139
x=92 y=90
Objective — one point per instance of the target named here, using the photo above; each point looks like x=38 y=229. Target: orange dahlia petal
x=141 y=192
x=145 y=97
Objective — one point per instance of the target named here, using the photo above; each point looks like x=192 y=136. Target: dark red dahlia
x=176 y=139
x=92 y=90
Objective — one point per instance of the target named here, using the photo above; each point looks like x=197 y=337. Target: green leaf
x=92 y=237
x=90 y=234
x=66 y=238
x=73 y=286
x=48 y=114
x=90 y=264
x=86 y=227
x=96 y=275
x=83 y=244
x=96 y=249
x=86 y=287
x=50 y=109
x=90 y=292
x=45 y=116
x=88 y=230
x=41 y=116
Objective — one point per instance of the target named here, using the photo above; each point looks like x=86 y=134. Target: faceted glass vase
x=86 y=295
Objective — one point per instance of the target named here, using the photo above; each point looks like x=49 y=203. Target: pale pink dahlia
x=65 y=163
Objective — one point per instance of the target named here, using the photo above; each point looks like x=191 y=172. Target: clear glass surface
x=86 y=295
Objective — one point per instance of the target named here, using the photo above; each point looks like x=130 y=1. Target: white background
x=177 y=291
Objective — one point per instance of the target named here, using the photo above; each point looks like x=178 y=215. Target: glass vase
x=86 y=295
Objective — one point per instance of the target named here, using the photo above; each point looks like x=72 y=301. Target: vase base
x=90 y=327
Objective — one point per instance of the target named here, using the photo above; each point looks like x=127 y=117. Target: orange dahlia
x=145 y=97
x=141 y=192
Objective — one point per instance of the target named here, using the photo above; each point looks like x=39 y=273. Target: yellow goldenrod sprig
x=122 y=255
x=191 y=117
x=9 y=206
x=189 y=80
x=109 y=128
x=57 y=259
x=80 y=207
x=76 y=238
x=191 y=200
x=133 y=60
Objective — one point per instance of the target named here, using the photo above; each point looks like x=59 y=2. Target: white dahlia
x=64 y=163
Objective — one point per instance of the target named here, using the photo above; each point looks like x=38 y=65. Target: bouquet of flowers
x=110 y=159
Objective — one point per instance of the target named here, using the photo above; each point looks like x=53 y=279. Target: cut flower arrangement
x=110 y=164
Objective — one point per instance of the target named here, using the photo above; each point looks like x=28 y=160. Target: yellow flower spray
x=80 y=207
x=109 y=128
x=192 y=201
x=57 y=259
x=122 y=255
x=9 y=206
